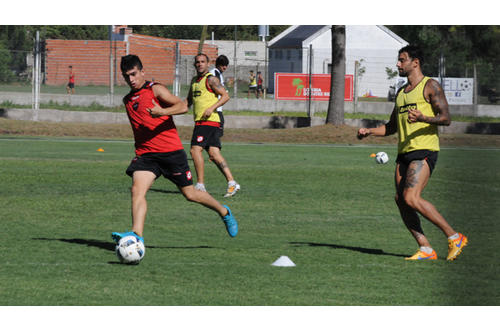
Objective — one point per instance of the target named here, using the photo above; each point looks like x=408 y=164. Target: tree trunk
x=202 y=39
x=335 y=113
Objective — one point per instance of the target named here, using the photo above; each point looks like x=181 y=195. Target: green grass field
x=329 y=208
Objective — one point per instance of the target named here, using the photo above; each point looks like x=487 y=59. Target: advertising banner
x=295 y=86
x=458 y=90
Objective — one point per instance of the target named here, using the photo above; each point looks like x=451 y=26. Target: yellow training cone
x=373 y=155
x=100 y=150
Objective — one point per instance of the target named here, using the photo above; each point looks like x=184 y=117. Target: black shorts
x=221 y=128
x=404 y=160
x=206 y=136
x=172 y=165
x=71 y=85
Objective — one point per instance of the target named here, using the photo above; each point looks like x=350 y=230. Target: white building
x=374 y=46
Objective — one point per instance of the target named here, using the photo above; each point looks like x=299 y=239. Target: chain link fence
x=374 y=72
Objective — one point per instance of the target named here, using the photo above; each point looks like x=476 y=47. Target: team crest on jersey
x=199 y=138
x=188 y=175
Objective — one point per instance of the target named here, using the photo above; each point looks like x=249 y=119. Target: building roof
x=294 y=36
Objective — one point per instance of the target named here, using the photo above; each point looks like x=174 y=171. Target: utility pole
x=36 y=78
x=111 y=82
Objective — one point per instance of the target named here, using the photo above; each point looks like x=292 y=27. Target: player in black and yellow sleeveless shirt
x=206 y=95
x=419 y=109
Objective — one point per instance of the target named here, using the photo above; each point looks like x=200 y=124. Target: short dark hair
x=129 y=62
x=222 y=60
x=414 y=52
x=202 y=54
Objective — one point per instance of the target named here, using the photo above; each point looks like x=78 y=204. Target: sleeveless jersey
x=418 y=135
x=203 y=98
x=150 y=134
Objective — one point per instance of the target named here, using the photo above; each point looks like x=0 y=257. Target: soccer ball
x=381 y=157
x=130 y=250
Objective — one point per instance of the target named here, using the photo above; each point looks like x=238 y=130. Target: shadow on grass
x=110 y=246
x=352 y=248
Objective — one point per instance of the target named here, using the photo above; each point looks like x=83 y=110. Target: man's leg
x=216 y=156
x=408 y=214
x=205 y=199
x=141 y=182
x=417 y=176
x=199 y=163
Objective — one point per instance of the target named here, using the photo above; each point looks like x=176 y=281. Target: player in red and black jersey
x=158 y=148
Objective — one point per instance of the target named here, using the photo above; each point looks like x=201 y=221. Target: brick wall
x=90 y=59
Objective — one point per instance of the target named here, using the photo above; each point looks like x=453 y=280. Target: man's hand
x=363 y=132
x=156 y=110
x=208 y=112
x=415 y=115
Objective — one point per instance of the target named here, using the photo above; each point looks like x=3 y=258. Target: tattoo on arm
x=413 y=173
x=215 y=84
x=439 y=105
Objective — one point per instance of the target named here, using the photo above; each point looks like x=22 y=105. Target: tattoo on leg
x=221 y=165
x=412 y=174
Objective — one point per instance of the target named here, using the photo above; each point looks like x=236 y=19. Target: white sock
x=454 y=236
x=426 y=249
x=231 y=183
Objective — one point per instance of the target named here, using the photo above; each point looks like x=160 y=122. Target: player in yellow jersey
x=206 y=95
x=420 y=107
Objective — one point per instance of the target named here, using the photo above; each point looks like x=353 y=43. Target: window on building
x=270 y=54
x=279 y=54
x=250 y=53
x=288 y=54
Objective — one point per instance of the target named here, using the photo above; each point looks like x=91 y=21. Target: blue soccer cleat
x=230 y=222
x=118 y=236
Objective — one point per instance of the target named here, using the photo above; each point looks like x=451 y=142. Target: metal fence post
x=177 y=68
x=355 y=87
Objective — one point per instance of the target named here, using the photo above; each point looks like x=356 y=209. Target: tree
x=202 y=39
x=335 y=114
x=6 y=74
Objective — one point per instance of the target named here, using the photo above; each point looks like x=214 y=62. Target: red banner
x=295 y=86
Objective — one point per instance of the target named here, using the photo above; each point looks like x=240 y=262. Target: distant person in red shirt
x=158 y=148
x=71 y=83
x=260 y=83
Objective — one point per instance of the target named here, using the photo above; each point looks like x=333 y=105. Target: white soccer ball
x=130 y=250
x=381 y=157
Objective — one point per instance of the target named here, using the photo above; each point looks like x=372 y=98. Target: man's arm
x=383 y=130
x=435 y=95
x=189 y=98
x=219 y=90
x=175 y=104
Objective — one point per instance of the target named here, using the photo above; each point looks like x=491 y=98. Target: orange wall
x=90 y=59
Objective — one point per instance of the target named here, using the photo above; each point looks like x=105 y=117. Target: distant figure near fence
x=71 y=83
